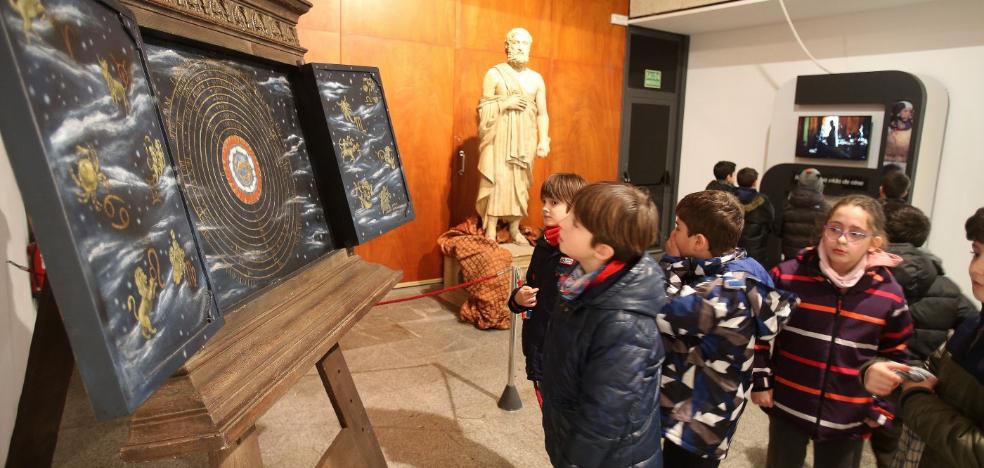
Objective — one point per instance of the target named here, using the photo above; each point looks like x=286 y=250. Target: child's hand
x=881 y=379
x=763 y=398
x=670 y=248
x=526 y=296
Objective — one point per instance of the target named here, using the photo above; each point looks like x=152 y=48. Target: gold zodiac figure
x=29 y=10
x=387 y=156
x=177 y=255
x=369 y=89
x=364 y=190
x=155 y=161
x=385 y=200
x=349 y=148
x=346 y=109
x=146 y=288
x=87 y=175
x=117 y=91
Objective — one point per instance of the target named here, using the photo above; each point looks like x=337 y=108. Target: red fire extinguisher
x=35 y=268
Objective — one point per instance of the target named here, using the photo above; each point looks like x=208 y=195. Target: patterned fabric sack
x=479 y=257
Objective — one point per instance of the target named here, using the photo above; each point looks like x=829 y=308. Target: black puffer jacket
x=546 y=265
x=760 y=216
x=935 y=302
x=802 y=215
x=720 y=185
x=601 y=373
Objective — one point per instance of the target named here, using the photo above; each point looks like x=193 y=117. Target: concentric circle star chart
x=243 y=164
x=229 y=152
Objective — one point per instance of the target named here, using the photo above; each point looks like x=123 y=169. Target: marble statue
x=513 y=126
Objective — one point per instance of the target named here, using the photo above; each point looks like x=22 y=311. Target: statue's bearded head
x=518 y=42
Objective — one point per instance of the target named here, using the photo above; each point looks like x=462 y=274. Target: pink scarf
x=874 y=259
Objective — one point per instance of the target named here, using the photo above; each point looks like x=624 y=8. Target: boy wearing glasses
x=723 y=312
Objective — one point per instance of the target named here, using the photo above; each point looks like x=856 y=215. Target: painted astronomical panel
x=85 y=140
x=357 y=159
x=244 y=167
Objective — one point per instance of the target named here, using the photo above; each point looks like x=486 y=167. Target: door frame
x=674 y=100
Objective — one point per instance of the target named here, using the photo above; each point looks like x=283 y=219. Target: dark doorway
x=652 y=116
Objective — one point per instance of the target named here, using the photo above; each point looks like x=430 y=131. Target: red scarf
x=613 y=267
x=552 y=235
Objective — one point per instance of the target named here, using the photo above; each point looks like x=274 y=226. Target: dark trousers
x=885 y=441
x=787 y=448
x=675 y=456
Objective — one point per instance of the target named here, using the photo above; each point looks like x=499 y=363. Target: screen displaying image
x=834 y=137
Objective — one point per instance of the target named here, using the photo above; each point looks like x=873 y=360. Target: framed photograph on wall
x=899 y=134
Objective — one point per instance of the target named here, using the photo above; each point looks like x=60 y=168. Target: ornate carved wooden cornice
x=265 y=28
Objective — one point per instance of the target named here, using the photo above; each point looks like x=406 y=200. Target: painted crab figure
x=87 y=175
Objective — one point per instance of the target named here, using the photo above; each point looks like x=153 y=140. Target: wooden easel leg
x=244 y=454
x=42 y=400
x=356 y=444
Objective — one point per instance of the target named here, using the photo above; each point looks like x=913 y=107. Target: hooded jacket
x=935 y=302
x=720 y=185
x=721 y=317
x=760 y=216
x=804 y=211
x=601 y=373
x=818 y=355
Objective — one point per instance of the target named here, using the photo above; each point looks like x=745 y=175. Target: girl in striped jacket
x=852 y=311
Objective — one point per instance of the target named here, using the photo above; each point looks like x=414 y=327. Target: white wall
x=733 y=76
x=17 y=310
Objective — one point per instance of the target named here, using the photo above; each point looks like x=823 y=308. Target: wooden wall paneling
x=585 y=34
x=319 y=30
x=416 y=79
x=483 y=24
x=469 y=71
x=418 y=21
x=585 y=108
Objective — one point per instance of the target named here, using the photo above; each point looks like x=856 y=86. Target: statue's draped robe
x=507 y=145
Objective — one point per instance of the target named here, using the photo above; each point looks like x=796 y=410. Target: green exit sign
x=654 y=79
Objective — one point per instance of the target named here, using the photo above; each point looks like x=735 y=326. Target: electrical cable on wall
x=792 y=28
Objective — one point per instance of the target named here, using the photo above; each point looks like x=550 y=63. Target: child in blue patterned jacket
x=721 y=316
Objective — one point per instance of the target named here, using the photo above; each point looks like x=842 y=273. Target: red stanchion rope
x=442 y=291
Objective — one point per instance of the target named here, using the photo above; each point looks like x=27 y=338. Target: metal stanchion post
x=510 y=400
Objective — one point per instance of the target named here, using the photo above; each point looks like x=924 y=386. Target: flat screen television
x=843 y=137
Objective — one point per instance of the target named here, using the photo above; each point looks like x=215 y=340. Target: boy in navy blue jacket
x=602 y=353
x=539 y=293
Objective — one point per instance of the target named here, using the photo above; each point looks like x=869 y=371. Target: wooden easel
x=212 y=404
x=266 y=346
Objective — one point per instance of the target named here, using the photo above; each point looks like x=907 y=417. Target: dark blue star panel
x=357 y=160
x=86 y=142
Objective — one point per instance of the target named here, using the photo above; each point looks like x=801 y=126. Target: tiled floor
x=430 y=385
